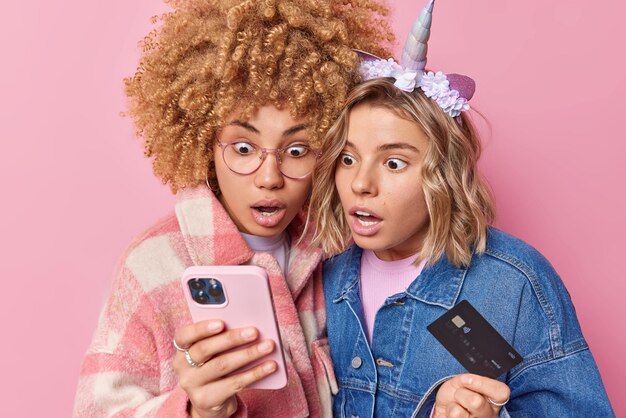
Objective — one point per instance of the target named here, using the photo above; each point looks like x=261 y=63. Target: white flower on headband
x=437 y=87
x=371 y=69
x=405 y=79
x=451 y=103
x=434 y=84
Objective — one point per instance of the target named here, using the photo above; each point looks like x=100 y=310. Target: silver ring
x=491 y=401
x=190 y=361
x=177 y=347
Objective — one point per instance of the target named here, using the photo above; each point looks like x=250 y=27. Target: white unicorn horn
x=416 y=46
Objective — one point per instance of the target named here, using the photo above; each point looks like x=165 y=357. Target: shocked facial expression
x=265 y=201
x=378 y=177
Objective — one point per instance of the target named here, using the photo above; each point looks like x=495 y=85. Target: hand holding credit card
x=471 y=339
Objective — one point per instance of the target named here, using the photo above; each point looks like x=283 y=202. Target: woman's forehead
x=381 y=128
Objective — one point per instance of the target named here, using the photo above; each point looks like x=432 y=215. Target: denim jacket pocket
x=421 y=411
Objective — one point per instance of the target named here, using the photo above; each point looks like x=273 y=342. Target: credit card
x=471 y=339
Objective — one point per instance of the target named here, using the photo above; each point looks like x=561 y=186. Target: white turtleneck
x=277 y=245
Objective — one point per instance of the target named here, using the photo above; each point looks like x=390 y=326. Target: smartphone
x=240 y=296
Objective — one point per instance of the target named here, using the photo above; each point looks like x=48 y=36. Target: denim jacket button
x=382 y=362
x=356 y=362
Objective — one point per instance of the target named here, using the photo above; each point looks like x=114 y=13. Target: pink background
x=76 y=187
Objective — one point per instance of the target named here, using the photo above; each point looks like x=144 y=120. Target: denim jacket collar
x=349 y=275
x=439 y=284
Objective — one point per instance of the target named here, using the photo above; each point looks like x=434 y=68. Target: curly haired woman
x=219 y=79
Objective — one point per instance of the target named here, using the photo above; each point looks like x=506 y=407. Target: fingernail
x=467 y=379
x=248 y=333
x=265 y=346
x=269 y=367
x=214 y=326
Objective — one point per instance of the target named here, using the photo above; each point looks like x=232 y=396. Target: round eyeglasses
x=295 y=161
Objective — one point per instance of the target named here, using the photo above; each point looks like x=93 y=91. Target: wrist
x=223 y=411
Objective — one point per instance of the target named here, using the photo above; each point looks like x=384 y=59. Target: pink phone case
x=247 y=302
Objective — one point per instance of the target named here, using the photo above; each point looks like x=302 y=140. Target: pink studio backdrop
x=76 y=187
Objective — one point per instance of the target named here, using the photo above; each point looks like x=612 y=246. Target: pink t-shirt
x=381 y=279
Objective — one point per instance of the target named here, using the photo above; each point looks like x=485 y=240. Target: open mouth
x=267 y=210
x=366 y=219
x=363 y=222
x=268 y=213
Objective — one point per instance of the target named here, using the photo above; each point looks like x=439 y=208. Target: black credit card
x=472 y=340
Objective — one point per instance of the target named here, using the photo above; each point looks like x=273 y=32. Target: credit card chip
x=458 y=321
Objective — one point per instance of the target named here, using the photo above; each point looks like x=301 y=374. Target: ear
x=465 y=85
x=213 y=184
x=366 y=56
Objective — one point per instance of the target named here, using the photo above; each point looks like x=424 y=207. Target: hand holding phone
x=240 y=296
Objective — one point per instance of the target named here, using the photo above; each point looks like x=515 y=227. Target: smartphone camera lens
x=202 y=298
x=196 y=284
x=215 y=292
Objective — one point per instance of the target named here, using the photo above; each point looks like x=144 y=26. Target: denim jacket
x=512 y=286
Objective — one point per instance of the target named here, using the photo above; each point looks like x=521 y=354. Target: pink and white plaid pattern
x=127 y=370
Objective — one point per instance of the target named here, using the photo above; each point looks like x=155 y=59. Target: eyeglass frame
x=264 y=152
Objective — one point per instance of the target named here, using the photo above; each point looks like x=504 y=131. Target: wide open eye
x=243 y=148
x=395 y=164
x=296 y=151
x=346 y=159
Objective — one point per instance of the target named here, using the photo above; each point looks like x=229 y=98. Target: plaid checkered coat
x=127 y=370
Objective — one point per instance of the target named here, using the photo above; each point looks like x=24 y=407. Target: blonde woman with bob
x=398 y=189
x=221 y=81
x=399 y=192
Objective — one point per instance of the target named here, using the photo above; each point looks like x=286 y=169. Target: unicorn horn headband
x=451 y=91
x=416 y=45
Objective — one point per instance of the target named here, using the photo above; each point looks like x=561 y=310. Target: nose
x=268 y=176
x=364 y=181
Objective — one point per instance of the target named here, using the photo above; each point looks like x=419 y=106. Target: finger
x=491 y=388
x=473 y=402
x=186 y=336
x=454 y=410
x=238 y=382
x=224 y=364
x=214 y=396
x=204 y=350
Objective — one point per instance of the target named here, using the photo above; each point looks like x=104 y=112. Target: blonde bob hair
x=459 y=202
x=210 y=58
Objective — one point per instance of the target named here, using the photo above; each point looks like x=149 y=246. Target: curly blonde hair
x=209 y=58
x=460 y=204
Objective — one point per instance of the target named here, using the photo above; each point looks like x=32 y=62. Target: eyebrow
x=392 y=146
x=295 y=129
x=398 y=145
x=291 y=131
x=245 y=125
